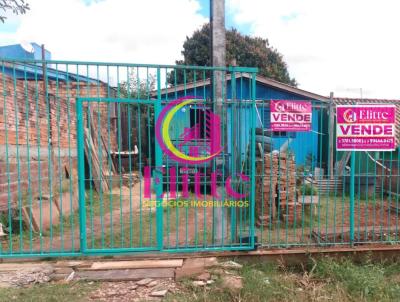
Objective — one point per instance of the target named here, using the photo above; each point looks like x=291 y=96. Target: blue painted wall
x=305 y=145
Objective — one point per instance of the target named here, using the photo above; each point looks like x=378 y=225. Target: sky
x=349 y=47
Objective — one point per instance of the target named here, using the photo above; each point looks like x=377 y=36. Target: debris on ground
x=152 y=283
x=70 y=277
x=134 y=290
x=194 y=266
x=159 y=293
x=133 y=284
x=18 y=275
x=199 y=283
x=204 y=276
x=25 y=277
x=144 y=281
x=230 y=265
x=233 y=283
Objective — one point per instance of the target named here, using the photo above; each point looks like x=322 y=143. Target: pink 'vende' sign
x=366 y=127
x=292 y=116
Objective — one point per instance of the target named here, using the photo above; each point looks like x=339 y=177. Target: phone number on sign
x=364 y=141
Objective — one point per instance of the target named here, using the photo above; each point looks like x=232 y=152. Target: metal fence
x=310 y=194
x=99 y=158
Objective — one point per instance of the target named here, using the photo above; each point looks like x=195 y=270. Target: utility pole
x=218 y=58
x=218 y=46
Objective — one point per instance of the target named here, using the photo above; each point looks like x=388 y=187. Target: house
x=305 y=145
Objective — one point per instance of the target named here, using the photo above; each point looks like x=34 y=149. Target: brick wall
x=28 y=162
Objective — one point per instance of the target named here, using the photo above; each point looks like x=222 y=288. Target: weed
x=48 y=292
x=366 y=281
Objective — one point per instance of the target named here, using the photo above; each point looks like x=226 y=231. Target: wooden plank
x=97 y=171
x=9 y=267
x=104 y=146
x=101 y=146
x=74 y=264
x=136 y=264
x=204 y=262
x=342 y=163
x=126 y=274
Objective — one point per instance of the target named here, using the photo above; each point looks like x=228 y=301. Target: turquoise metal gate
x=175 y=178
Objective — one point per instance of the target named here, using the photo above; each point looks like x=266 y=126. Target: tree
x=18 y=7
x=138 y=88
x=243 y=49
x=140 y=117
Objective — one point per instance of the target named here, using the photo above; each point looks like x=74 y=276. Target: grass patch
x=324 y=280
x=48 y=292
x=366 y=281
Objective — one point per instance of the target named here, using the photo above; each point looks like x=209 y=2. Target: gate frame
x=159 y=186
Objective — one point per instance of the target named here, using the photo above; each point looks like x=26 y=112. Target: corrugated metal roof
x=356 y=101
x=259 y=79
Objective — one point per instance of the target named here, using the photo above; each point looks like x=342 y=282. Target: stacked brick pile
x=276 y=188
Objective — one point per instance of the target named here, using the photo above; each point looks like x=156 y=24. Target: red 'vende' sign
x=291 y=115
x=366 y=127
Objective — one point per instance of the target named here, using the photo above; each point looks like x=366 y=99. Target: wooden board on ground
x=9 y=267
x=101 y=146
x=125 y=275
x=74 y=264
x=136 y=264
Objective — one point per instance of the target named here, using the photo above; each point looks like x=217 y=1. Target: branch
x=18 y=7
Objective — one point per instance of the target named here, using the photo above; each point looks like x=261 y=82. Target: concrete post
x=218 y=57
x=331 y=168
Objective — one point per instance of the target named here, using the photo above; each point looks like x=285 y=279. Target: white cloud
x=338 y=46
x=135 y=31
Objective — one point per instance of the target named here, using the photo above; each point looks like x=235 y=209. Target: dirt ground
x=118 y=221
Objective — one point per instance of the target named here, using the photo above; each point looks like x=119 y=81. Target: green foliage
x=49 y=292
x=141 y=115
x=18 y=7
x=243 y=49
x=367 y=281
x=308 y=189
x=4 y=219
x=136 y=88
